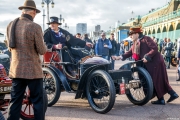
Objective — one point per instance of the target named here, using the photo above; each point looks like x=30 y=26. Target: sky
x=92 y=12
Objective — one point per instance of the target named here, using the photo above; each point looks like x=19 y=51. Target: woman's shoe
x=173 y=97
x=158 y=102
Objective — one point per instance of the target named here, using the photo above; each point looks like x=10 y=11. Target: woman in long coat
x=145 y=48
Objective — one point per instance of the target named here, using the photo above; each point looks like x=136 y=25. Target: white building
x=81 y=28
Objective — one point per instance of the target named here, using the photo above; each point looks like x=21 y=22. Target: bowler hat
x=29 y=4
x=54 y=20
x=133 y=30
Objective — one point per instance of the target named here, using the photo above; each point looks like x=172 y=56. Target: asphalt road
x=68 y=108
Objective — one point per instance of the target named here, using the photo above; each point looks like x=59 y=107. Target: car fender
x=61 y=77
x=84 y=77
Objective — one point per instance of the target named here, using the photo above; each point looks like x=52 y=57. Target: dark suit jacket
x=71 y=41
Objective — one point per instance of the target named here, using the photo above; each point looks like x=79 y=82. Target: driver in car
x=56 y=38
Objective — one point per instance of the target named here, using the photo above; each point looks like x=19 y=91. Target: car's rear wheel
x=52 y=86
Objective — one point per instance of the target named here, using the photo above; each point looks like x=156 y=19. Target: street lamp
x=66 y=26
x=61 y=19
x=47 y=2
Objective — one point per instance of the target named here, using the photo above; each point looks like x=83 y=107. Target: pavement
x=68 y=108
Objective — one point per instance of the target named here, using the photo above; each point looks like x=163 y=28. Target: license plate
x=5 y=89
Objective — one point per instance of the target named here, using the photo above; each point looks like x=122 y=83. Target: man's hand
x=105 y=45
x=116 y=57
x=58 y=46
x=144 y=60
x=89 y=44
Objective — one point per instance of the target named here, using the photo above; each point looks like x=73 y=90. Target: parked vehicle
x=95 y=81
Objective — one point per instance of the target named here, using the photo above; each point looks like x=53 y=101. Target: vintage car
x=95 y=81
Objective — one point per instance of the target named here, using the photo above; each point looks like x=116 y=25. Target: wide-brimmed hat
x=133 y=30
x=54 y=20
x=29 y=4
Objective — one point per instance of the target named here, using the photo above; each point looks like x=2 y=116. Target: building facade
x=81 y=28
x=162 y=22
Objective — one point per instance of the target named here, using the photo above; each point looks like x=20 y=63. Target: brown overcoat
x=25 y=61
x=156 y=67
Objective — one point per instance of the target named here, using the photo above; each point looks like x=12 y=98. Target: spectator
x=86 y=39
x=168 y=49
x=118 y=48
x=78 y=35
x=175 y=45
x=112 y=51
x=25 y=41
x=102 y=46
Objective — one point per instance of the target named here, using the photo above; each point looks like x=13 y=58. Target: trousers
x=17 y=93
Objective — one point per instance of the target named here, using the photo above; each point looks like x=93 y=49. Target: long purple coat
x=156 y=67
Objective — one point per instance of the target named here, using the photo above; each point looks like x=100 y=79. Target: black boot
x=173 y=96
x=160 y=101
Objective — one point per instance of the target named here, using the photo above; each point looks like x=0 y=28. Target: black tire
x=145 y=89
x=25 y=114
x=1 y=116
x=173 y=61
x=98 y=86
x=51 y=85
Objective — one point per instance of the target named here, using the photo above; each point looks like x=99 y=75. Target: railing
x=164 y=18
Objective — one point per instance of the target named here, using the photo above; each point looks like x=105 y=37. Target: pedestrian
x=175 y=45
x=86 y=39
x=144 y=48
x=113 y=50
x=25 y=42
x=178 y=67
x=78 y=35
x=118 y=48
x=102 y=46
x=168 y=49
x=161 y=45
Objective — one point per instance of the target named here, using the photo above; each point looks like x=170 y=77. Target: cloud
x=92 y=12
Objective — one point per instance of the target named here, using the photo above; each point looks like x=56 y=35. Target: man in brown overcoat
x=145 y=48
x=25 y=41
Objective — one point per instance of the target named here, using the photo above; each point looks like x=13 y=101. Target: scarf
x=136 y=50
x=12 y=39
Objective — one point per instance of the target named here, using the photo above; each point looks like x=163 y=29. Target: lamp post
x=61 y=19
x=66 y=26
x=47 y=2
x=43 y=18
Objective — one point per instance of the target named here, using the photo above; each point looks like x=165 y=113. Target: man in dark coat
x=86 y=39
x=118 y=48
x=112 y=51
x=145 y=48
x=168 y=49
x=57 y=38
